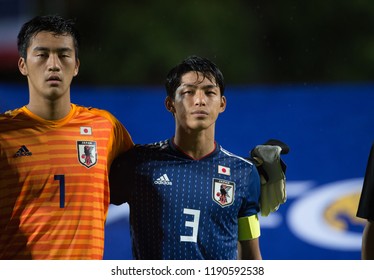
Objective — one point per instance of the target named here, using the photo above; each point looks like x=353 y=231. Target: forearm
x=249 y=250
x=367 y=252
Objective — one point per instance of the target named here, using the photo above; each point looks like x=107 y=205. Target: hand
x=272 y=171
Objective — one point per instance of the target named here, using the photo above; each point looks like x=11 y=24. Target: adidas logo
x=23 y=151
x=163 y=180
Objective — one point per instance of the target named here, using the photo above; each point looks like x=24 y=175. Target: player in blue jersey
x=190 y=198
x=366 y=209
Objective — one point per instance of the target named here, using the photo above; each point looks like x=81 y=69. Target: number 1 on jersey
x=61 y=178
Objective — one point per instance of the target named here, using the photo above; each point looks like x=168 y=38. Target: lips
x=200 y=112
x=54 y=79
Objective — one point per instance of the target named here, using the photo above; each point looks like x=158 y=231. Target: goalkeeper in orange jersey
x=54 y=155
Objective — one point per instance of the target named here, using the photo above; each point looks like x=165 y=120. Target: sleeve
x=366 y=203
x=120 y=177
x=248 y=223
x=251 y=204
x=120 y=139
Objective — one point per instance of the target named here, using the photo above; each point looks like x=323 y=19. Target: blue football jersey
x=183 y=208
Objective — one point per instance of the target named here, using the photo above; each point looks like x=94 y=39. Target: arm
x=249 y=250
x=120 y=177
x=367 y=252
x=249 y=232
x=366 y=209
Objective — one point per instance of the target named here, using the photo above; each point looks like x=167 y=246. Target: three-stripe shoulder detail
x=233 y=155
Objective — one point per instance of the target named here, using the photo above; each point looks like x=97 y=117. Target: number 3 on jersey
x=194 y=224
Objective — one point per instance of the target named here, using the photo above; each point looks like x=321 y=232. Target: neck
x=195 y=144
x=50 y=109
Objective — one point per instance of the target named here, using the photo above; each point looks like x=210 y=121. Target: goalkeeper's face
x=198 y=102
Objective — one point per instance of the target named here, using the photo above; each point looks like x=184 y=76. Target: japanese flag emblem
x=85 y=130
x=224 y=170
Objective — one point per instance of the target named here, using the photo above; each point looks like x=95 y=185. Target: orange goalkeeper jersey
x=54 y=190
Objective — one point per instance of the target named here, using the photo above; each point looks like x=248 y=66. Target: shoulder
x=13 y=119
x=10 y=114
x=236 y=157
x=139 y=153
x=244 y=164
x=95 y=111
x=104 y=117
x=149 y=150
x=155 y=146
x=371 y=153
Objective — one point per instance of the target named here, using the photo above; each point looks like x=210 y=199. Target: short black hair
x=197 y=64
x=50 y=23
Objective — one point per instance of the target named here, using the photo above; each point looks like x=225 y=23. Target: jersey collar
x=181 y=153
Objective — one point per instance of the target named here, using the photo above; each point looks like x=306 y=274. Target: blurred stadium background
x=297 y=71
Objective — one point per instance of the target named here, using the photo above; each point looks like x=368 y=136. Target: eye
x=64 y=55
x=41 y=55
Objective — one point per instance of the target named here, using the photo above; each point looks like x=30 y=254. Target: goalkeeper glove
x=272 y=171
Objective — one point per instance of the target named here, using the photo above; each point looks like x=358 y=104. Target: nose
x=200 y=98
x=54 y=63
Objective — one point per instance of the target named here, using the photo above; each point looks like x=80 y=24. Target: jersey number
x=61 y=178
x=194 y=224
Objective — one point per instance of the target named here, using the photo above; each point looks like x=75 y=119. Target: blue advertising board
x=329 y=128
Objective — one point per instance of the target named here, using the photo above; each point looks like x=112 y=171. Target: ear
x=22 y=66
x=169 y=104
x=223 y=104
x=76 y=70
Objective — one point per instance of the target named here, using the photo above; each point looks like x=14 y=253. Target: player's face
x=197 y=102
x=50 y=65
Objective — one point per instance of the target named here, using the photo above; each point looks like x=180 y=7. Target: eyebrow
x=195 y=86
x=48 y=49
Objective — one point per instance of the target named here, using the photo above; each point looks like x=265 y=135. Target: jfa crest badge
x=223 y=192
x=87 y=154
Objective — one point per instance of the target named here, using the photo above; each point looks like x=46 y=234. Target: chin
x=54 y=94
